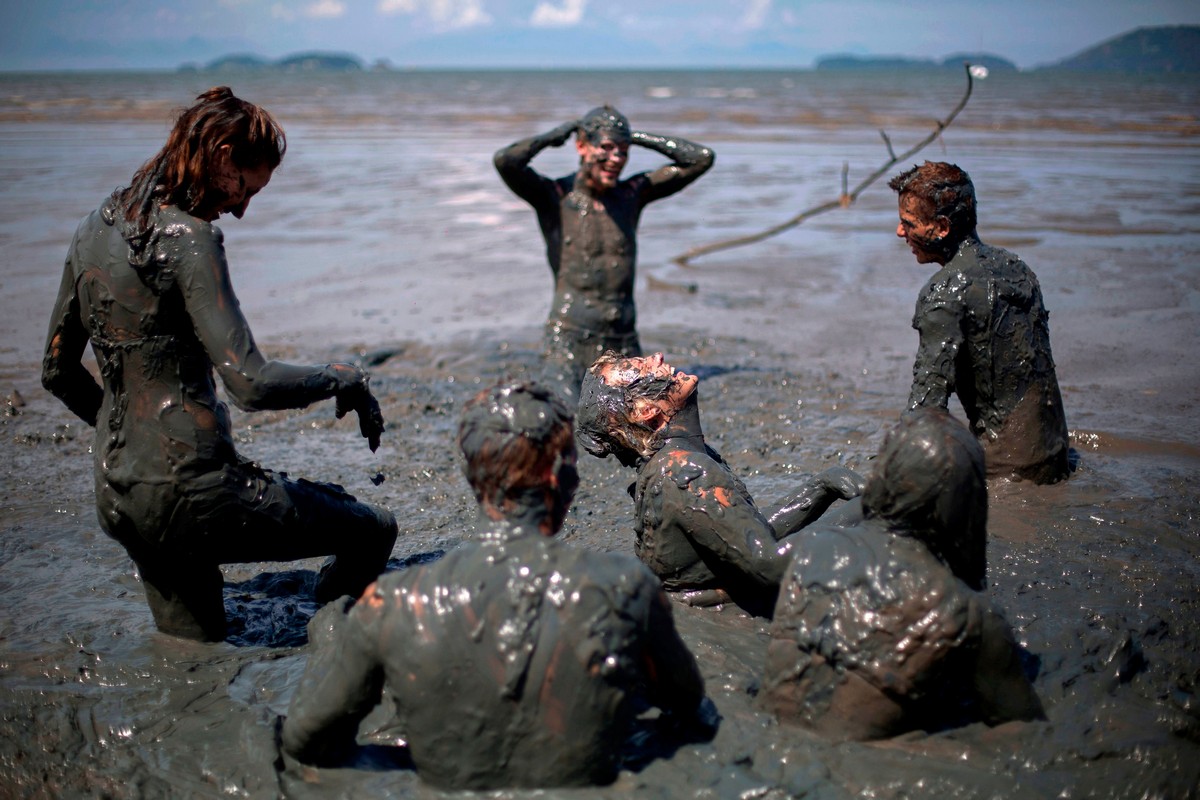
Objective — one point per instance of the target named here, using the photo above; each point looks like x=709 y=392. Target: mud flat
x=378 y=240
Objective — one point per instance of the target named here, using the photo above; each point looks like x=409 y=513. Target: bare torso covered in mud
x=513 y=661
x=590 y=229
x=985 y=335
x=170 y=486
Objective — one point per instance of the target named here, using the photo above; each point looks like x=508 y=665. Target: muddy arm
x=937 y=320
x=735 y=539
x=512 y=163
x=342 y=682
x=675 y=682
x=814 y=497
x=63 y=373
x=1004 y=691
x=689 y=162
x=254 y=382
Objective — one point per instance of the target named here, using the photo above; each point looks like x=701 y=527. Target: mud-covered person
x=984 y=330
x=881 y=627
x=515 y=660
x=146 y=282
x=589 y=221
x=696 y=525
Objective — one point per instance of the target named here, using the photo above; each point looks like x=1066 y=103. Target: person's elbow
x=247 y=392
x=504 y=162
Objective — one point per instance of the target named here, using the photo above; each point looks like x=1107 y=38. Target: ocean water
x=387 y=227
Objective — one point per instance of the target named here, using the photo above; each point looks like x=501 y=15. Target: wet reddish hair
x=181 y=173
x=944 y=190
x=512 y=437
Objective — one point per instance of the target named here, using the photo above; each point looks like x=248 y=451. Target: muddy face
x=924 y=235
x=657 y=387
x=602 y=160
x=234 y=187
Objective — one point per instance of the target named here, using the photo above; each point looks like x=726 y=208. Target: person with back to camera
x=696 y=525
x=589 y=221
x=881 y=627
x=146 y=282
x=984 y=330
x=515 y=660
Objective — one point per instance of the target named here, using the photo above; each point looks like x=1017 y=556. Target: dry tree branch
x=846 y=198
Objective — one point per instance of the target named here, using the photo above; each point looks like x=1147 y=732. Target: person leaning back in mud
x=515 y=660
x=589 y=221
x=984 y=331
x=697 y=526
x=881 y=626
x=147 y=284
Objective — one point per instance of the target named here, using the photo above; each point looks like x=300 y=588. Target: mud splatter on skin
x=589 y=222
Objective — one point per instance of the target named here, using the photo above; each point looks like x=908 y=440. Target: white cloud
x=548 y=15
x=755 y=16
x=325 y=9
x=280 y=11
x=443 y=13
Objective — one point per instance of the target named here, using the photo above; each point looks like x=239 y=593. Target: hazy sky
x=82 y=34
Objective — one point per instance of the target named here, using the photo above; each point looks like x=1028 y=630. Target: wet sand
x=804 y=347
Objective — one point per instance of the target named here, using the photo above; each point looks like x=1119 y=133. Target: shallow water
x=387 y=228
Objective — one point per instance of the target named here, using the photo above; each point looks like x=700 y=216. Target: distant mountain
x=300 y=62
x=1169 y=49
x=236 y=63
x=895 y=63
x=319 y=62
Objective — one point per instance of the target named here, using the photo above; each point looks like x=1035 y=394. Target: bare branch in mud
x=846 y=198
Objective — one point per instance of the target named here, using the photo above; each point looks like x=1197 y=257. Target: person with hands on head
x=515 y=660
x=147 y=284
x=589 y=222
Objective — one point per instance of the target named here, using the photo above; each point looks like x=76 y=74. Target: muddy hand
x=558 y=137
x=370 y=419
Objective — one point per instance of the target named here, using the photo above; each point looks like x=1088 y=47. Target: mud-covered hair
x=929 y=484
x=511 y=435
x=601 y=120
x=181 y=173
x=603 y=420
x=945 y=190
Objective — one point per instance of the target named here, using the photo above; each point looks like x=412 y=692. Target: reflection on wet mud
x=1097 y=576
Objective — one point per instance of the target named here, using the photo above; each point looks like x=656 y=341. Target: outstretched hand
x=370 y=417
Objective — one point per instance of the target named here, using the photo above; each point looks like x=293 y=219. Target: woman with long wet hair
x=146 y=282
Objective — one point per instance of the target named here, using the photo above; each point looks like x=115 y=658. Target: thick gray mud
x=1098 y=576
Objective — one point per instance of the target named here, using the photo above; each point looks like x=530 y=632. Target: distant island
x=300 y=62
x=843 y=63
x=1144 y=51
x=1170 y=49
